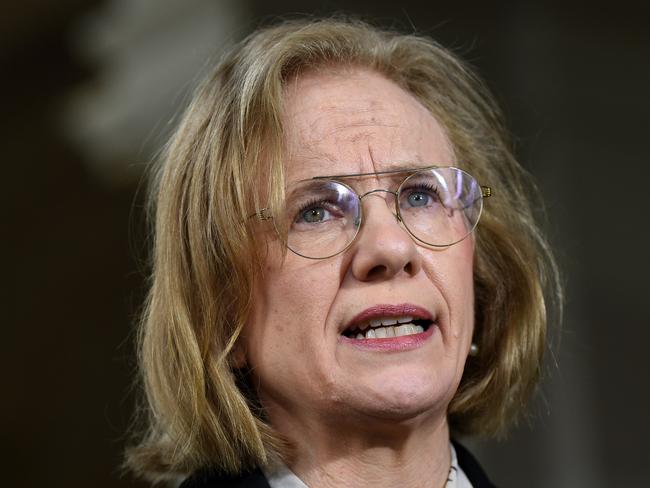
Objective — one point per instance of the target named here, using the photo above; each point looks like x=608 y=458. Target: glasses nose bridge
x=384 y=190
x=377 y=190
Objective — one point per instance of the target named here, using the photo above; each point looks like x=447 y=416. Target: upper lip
x=388 y=311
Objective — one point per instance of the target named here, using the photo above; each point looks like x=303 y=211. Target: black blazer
x=256 y=479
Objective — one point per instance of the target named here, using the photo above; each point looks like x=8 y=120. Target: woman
x=325 y=308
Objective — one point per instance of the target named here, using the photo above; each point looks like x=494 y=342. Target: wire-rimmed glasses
x=438 y=207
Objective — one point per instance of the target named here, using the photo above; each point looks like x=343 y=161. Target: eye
x=317 y=212
x=314 y=215
x=418 y=199
x=422 y=196
x=319 y=206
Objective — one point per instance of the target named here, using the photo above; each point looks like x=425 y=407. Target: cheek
x=285 y=339
x=463 y=269
x=452 y=272
x=465 y=305
x=300 y=293
x=291 y=304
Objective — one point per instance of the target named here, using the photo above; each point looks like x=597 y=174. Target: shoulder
x=212 y=479
x=472 y=468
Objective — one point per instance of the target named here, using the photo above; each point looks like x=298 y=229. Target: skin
x=359 y=417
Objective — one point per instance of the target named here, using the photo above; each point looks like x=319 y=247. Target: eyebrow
x=372 y=173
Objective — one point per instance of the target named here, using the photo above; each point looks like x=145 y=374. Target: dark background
x=88 y=92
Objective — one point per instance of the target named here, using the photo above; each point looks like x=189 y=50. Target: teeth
x=391 y=331
x=387 y=327
x=386 y=321
x=404 y=330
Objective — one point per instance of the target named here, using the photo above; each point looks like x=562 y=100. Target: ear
x=238 y=355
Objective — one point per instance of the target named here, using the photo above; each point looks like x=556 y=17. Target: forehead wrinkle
x=322 y=126
x=308 y=157
x=366 y=111
x=313 y=151
x=372 y=160
x=335 y=134
x=352 y=133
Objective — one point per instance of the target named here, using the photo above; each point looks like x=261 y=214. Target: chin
x=405 y=397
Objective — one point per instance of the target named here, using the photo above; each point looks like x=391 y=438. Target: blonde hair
x=204 y=253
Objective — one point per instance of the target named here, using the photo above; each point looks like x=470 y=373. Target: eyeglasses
x=438 y=206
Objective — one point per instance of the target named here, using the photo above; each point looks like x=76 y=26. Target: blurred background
x=90 y=89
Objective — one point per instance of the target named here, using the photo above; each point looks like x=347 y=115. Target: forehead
x=356 y=121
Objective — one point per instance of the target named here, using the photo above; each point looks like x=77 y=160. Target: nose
x=383 y=248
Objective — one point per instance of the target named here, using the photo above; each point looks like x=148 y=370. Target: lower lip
x=401 y=343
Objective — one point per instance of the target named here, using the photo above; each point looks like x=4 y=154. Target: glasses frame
x=486 y=192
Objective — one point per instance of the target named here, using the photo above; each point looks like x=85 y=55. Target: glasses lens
x=322 y=218
x=440 y=206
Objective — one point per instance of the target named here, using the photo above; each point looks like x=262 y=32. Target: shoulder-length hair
x=229 y=145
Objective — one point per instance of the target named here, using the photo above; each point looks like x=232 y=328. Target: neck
x=411 y=453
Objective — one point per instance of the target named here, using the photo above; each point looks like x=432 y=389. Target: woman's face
x=307 y=371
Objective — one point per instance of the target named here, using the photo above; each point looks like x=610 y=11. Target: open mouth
x=382 y=328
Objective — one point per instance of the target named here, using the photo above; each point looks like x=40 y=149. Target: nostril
x=377 y=272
